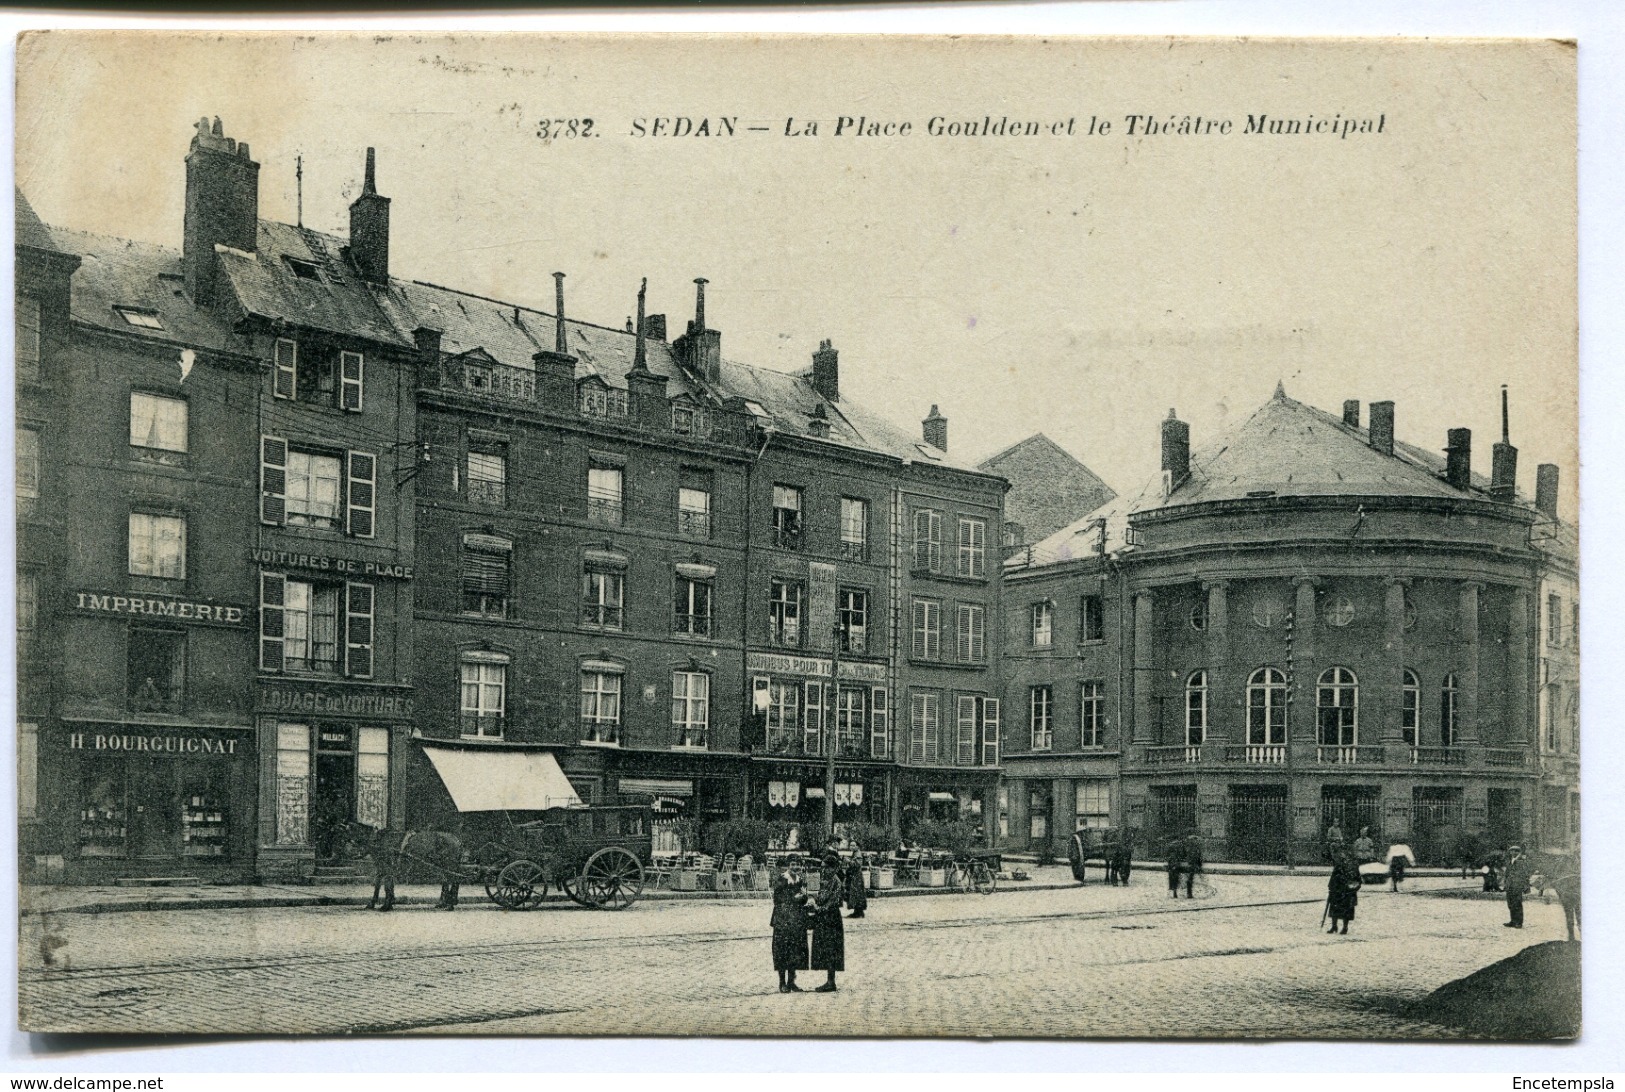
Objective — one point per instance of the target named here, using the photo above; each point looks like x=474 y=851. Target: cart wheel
x=612 y=879
x=519 y=886
x=571 y=886
x=983 y=877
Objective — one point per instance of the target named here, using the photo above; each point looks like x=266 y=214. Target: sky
x=1076 y=285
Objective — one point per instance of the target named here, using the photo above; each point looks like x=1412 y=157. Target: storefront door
x=155 y=814
x=333 y=806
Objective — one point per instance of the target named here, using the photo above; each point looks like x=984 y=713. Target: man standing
x=1193 y=863
x=1365 y=850
x=1517 y=885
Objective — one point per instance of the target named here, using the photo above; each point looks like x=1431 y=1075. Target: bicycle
x=972 y=874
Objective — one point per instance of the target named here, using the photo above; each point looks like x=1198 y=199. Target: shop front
x=792 y=792
x=135 y=800
x=329 y=756
x=949 y=796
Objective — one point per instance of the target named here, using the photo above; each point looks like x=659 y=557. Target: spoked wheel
x=519 y=886
x=983 y=877
x=612 y=879
x=571 y=886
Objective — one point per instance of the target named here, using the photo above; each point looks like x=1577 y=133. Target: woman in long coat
x=828 y=933
x=857 y=886
x=789 y=928
x=1342 y=891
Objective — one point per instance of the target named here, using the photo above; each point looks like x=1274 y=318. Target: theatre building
x=1304 y=625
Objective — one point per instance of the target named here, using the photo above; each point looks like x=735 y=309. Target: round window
x=1266 y=613
x=1340 y=611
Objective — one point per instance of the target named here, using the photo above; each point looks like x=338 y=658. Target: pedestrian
x=857 y=886
x=828 y=934
x=789 y=927
x=1193 y=863
x=1517 y=885
x=1365 y=850
x=1494 y=862
x=1334 y=841
x=1176 y=859
x=1342 y=891
x=1400 y=858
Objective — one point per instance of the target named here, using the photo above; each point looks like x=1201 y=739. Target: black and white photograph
x=797 y=536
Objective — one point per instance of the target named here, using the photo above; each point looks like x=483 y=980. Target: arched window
x=1196 y=708
x=1447 y=711
x=1339 y=707
x=1266 y=707
x=1410 y=704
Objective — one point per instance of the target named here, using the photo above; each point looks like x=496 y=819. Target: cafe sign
x=159 y=744
x=314 y=699
x=338 y=566
x=199 y=612
x=776 y=663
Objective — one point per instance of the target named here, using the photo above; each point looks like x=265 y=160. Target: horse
x=393 y=851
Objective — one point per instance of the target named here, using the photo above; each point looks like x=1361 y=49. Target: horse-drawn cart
x=596 y=856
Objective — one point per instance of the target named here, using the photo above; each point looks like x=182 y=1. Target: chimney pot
x=1176 y=451
x=222 y=206
x=1351 y=413
x=1458 y=456
x=561 y=344
x=1546 y=479
x=369 y=228
x=654 y=327
x=1504 y=460
x=699 y=302
x=935 y=429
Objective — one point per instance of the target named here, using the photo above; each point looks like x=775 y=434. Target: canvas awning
x=481 y=780
x=650 y=786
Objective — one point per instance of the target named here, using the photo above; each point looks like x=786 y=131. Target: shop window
x=973 y=547
x=27 y=612
x=854 y=529
x=785 y=598
x=1038 y=809
x=601 y=705
x=924 y=713
x=1091 y=619
x=971 y=645
x=1196 y=709
x=28 y=337
x=605 y=493
x=1004 y=811
x=852 y=614
x=315 y=628
x=205 y=812
x=694 y=511
x=1448 y=694
x=156 y=670
x=27 y=770
x=1043 y=625
x=484 y=678
x=1409 y=706
x=927 y=540
x=1092 y=714
x=27 y=463
x=328 y=490
x=103 y=809
x=1094 y=804
x=372 y=777
x=1337 y=702
x=487 y=575
x=927 y=630
x=1266 y=707
x=488 y=477
x=977 y=722
x=157 y=546
x=694 y=595
x=292 y=784
x=787 y=517
x=1040 y=719
x=158 y=427
x=603 y=598
x=691 y=708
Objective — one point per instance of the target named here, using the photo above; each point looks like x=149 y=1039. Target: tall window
x=487 y=575
x=784 y=612
x=1091 y=619
x=157 y=546
x=851 y=725
x=783 y=716
x=310 y=620
x=1447 y=711
x=1196 y=709
x=978 y=724
x=605 y=493
x=488 y=477
x=693 y=606
x=853 y=609
x=1043 y=618
x=484 y=695
x=156 y=670
x=1338 y=704
x=600 y=706
x=1094 y=799
x=694 y=512
x=603 y=598
x=157 y=424
x=1092 y=714
x=787 y=517
x=1040 y=705
x=924 y=724
x=1410 y=705
x=313 y=489
x=854 y=529
x=927 y=630
x=972 y=547
x=971 y=646
x=1266 y=707
x=1554 y=620
x=690 y=708
x=27 y=462
x=1551 y=692
x=319 y=628
x=927 y=540
x=28 y=337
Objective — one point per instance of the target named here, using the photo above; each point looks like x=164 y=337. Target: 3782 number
x=564 y=128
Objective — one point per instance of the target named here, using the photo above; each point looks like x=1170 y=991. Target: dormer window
x=305 y=271
x=141 y=317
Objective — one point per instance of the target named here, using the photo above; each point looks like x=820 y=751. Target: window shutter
x=486 y=572
x=352 y=367
x=287 y=368
x=967 y=731
x=933 y=749
x=880 y=722
x=358 y=630
x=272 y=591
x=936 y=542
x=273 y=480
x=916 y=730
x=813 y=723
x=990 y=731
x=363 y=494
x=978 y=635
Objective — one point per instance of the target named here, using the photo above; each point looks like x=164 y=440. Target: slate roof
x=1285 y=449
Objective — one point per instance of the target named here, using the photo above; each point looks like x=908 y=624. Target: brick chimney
x=222 y=205
x=1351 y=412
x=935 y=429
x=826 y=377
x=1176 y=453
x=1381 y=437
x=700 y=350
x=646 y=389
x=1546 y=478
x=369 y=229
x=1458 y=458
x=1504 y=461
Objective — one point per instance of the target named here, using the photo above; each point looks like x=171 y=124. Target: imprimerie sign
x=338 y=566
x=152 y=606
x=315 y=699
